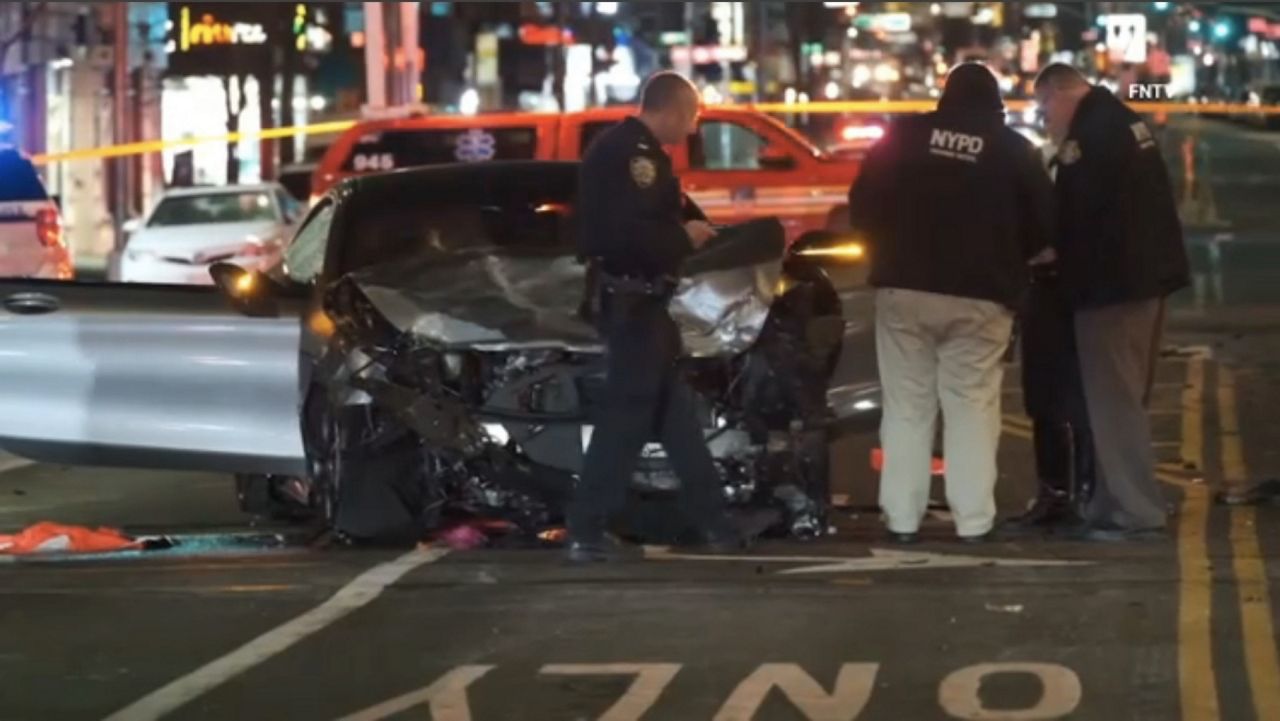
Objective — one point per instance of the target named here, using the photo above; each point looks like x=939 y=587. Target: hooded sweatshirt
x=954 y=202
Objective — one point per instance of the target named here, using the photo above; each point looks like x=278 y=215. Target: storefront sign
x=1126 y=37
x=1261 y=26
x=707 y=54
x=1041 y=10
x=531 y=34
x=210 y=31
x=885 y=22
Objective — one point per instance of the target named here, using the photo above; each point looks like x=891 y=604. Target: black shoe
x=604 y=549
x=904 y=539
x=1045 y=514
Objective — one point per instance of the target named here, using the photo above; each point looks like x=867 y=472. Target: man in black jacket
x=954 y=205
x=1121 y=253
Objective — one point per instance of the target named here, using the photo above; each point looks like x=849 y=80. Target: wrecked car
x=442 y=367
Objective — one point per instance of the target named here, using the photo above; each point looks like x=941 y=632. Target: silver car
x=421 y=354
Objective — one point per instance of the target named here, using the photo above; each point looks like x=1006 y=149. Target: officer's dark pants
x=645 y=400
x=1054 y=394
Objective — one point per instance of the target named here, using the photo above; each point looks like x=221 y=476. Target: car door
x=154 y=376
x=146 y=377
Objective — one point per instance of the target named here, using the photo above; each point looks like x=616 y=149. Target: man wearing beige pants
x=954 y=205
x=937 y=348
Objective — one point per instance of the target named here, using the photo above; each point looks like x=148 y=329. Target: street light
x=1162 y=6
x=1195 y=26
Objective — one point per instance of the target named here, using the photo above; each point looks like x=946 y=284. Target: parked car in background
x=190 y=229
x=31 y=242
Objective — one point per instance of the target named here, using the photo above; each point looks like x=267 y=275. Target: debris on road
x=57 y=538
x=1011 y=608
x=463 y=537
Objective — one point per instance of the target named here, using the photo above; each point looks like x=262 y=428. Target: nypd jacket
x=1119 y=237
x=629 y=205
x=954 y=203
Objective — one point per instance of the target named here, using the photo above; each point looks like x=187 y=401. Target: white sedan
x=193 y=228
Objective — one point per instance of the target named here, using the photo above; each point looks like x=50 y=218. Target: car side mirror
x=775 y=160
x=131 y=226
x=250 y=292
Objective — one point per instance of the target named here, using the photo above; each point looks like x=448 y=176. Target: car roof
x=221 y=190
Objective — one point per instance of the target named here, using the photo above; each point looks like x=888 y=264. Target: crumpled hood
x=506 y=301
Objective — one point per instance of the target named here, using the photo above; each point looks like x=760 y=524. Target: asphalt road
x=247 y=622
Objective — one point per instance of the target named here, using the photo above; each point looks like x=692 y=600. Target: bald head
x=665 y=90
x=1059 y=90
x=669 y=106
x=1060 y=76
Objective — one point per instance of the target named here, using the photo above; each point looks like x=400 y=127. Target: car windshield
x=512 y=213
x=449 y=229
x=18 y=179
x=213 y=208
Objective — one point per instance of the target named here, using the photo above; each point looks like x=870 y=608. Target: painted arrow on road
x=879 y=560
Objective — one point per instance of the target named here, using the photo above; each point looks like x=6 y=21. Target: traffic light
x=1222 y=29
x=1161 y=7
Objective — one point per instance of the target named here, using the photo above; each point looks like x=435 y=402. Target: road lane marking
x=13 y=463
x=358 y=593
x=879 y=560
x=960 y=693
x=1197 y=680
x=651 y=679
x=852 y=692
x=1260 y=655
x=446 y=698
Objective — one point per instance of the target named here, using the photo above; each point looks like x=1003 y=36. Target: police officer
x=637 y=233
x=955 y=205
x=1121 y=253
x=1053 y=396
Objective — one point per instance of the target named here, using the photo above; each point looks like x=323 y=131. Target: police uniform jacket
x=632 y=228
x=1119 y=236
x=955 y=203
x=630 y=205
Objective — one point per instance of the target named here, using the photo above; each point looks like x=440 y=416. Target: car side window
x=304 y=259
x=722 y=145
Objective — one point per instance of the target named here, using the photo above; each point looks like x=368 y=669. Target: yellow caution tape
x=155 y=146
x=824 y=107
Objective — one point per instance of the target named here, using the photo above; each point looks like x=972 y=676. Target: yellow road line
x=1197 y=680
x=1193 y=415
x=1261 y=658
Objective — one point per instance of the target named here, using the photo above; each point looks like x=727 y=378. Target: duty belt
x=629 y=285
